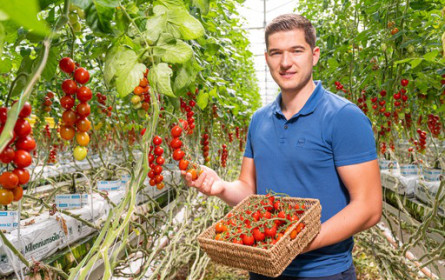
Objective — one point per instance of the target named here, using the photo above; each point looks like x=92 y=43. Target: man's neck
x=293 y=101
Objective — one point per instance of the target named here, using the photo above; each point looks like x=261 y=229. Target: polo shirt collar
x=308 y=107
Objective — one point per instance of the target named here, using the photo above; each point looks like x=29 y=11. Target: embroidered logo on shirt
x=301 y=142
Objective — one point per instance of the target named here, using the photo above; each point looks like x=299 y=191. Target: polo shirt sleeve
x=352 y=137
x=248 y=152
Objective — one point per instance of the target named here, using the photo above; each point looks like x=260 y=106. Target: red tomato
x=22 y=128
x=160 y=160
x=83 y=109
x=22 y=159
x=69 y=86
x=17 y=193
x=176 y=143
x=83 y=125
x=67 y=65
x=67 y=132
x=178 y=154
x=157 y=140
x=258 y=234
x=69 y=117
x=3 y=115
x=158 y=151
x=6 y=197
x=159 y=178
x=176 y=131
x=67 y=102
x=25 y=143
x=404 y=82
x=26 y=110
x=157 y=170
x=22 y=174
x=7 y=155
x=248 y=239
x=81 y=75
x=183 y=164
x=270 y=231
x=84 y=94
x=9 y=180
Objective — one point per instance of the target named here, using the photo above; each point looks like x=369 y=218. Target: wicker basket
x=270 y=262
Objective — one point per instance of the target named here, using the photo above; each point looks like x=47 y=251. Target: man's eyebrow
x=293 y=47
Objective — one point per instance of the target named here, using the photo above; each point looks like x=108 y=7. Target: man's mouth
x=287 y=74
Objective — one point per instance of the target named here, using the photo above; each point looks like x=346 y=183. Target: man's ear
x=315 y=56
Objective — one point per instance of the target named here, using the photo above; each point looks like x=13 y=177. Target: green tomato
x=141 y=113
x=80 y=153
x=76 y=27
x=137 y=105
x=135 y=99
x=411 y=49
x=73 y=18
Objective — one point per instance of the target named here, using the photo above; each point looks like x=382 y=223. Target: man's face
x=291 y=59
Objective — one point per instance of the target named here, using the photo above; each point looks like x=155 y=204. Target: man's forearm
x=352 y=219
x=234 y=192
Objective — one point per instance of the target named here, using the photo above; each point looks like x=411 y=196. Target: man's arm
x=232 y=193
x=364 y=209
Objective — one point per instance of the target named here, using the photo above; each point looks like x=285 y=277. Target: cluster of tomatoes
x=394 y=30
x=52 y=154
x=421 y=144
x=188 y=109
x=76 y=123
x=141 y=97
x=102 y=98
x=156 y=160
x=401 y=94
x=262 y=223
x=434 y=125
x=381 y=103
x=205 y=147
x=16 y=153
x=224 y=154
x=48 y=101
x=179 y=155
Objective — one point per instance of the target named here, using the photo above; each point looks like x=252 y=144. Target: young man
x=308 y=143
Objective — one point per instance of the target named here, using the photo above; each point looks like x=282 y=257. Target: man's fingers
x=201 y=178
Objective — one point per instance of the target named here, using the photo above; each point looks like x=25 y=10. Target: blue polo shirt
x=299 y=157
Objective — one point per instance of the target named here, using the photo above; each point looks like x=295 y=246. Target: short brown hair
x=289 y=22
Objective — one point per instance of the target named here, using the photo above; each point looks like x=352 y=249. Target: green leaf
x=159 y=78
x=122 y=64
x=2 y=38
x=99 y=15
x=51 y=65
x=186 y=75
x=155 y=26
x=45 y=3
x=26 y=17
x=202 y=5
x=203 y=99
x=110 y=69
x=431 y=55
x=213 y=92
x=129 y=78
x=415 y=62
x=189 y=27
x=403 y=61
x=172 y=50
x=332 y=62
x=5 y=65
x=83 y=4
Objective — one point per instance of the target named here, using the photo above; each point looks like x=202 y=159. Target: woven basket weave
x=270 y=262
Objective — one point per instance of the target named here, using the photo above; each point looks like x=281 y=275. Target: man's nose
x=286 y=60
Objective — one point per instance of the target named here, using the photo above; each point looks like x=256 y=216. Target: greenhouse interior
x=222 y=139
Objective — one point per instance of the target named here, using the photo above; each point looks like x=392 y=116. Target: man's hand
x=208 y=182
